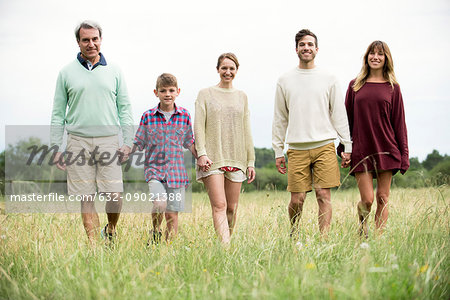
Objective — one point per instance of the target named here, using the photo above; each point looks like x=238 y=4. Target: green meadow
x=46 y=256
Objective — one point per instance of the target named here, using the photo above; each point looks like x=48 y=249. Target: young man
x=163 y=132
x=310 y=107
x=91 y=102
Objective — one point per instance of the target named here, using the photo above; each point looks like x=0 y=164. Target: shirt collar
x=156 y=109
x=84 y=62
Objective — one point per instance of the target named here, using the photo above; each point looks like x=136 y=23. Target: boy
x=163 y=131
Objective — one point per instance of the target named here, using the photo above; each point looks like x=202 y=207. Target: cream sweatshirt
x=310 y=107
x=222 y=128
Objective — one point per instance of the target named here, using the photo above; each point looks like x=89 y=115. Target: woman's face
x=376 y=59
x=227 y=70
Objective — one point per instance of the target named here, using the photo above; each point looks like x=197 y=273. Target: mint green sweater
x=91 y=103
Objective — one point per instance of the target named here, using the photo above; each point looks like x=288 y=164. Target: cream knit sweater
x=222 y=128
x=309 y=105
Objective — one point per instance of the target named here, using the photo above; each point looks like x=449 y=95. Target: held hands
x=251 y=174
x=346 y=159
x=280 y=162
x=204 y=163
x=124 y=151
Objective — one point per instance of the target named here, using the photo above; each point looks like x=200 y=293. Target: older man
x=91 y=103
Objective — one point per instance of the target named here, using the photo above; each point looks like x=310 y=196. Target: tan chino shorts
x=318 y=167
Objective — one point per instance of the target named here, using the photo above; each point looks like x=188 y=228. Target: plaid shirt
x=163 y=142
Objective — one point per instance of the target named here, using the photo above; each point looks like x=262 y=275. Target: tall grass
x=46 y=256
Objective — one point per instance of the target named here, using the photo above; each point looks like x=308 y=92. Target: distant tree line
x=433 y=171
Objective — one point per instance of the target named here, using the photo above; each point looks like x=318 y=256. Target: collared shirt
x=163 y=143
x=88 y=65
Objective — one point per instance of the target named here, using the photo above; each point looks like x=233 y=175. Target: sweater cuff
x=128 y=143
x=279 y=153
x=348 y=147
x=201 y=153
x=405 y=164
x=251 y=163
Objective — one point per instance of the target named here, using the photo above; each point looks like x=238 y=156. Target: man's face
x=89 y=43
x=307 y=49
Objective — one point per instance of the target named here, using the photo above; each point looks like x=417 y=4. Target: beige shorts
x=237 y=176
x=317 y=166
x=92 y=165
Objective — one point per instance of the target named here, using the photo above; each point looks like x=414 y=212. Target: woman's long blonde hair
x=388 y=68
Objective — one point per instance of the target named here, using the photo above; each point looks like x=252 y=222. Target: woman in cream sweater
x=224 y=145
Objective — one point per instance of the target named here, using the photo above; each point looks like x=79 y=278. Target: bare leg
x=323 y=197
x=295 y=209
x=156 y=221
x=172 y=225
x=232 y=192
x=365 y=186
x=216 y=191
x=89 y=216
x=383 y=188
x=158 y=210
x=113 y=209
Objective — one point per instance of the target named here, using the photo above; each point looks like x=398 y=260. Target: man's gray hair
x=87 y=25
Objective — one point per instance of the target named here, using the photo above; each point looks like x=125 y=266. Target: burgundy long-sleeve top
x=377 y=125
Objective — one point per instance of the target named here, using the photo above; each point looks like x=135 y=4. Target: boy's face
x=167 y=96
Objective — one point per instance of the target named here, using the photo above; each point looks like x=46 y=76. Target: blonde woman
x=224 y=145
x=377 y=124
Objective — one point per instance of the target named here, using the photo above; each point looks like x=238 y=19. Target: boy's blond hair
x=166 y=80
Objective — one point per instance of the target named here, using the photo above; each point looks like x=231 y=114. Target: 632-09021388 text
x=130 y=197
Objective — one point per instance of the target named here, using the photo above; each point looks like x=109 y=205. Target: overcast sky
x=147 y=38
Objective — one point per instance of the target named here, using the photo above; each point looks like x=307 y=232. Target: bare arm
x=193 y=151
